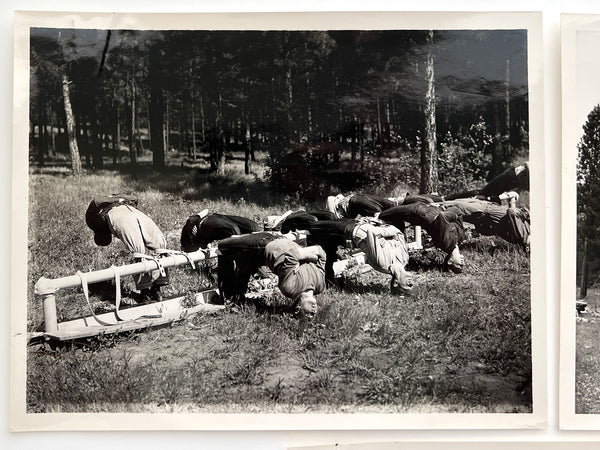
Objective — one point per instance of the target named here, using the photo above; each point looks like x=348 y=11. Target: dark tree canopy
x=335 y=95
x=588 y=177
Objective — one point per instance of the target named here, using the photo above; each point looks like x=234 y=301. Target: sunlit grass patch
x=587 y=371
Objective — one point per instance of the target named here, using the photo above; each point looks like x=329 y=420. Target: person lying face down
x=384 y=247
x=513 y=178
x=202 y=229
x=298 y=220
x=491 y=219
x=368 y=205
x=300 y=270
x=365 y=205
x=117 y=215
x=444 y=227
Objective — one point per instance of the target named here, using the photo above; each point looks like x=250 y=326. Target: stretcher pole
x=47 y=288
x=418 y=240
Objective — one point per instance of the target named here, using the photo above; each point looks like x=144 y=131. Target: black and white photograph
x=580 y=402
x=329 y=220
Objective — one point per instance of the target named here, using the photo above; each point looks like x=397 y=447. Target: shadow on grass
x=355 y=286
x=427 y=260
x=89 y=344
x=263 y=306
x=487 y=244
x=184 y=181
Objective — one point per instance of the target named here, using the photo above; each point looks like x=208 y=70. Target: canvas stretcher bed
x=122 y=320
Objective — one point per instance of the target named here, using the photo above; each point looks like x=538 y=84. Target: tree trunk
x=138 y=134
x=202 y=120
x=341 y=130
x=70 y=120
x=106 y=140
x=429 y=171
x=149 y=120
x=290 y=99
x=182 y=134
x=354 y=133
x=83 y=139
x=132 y=129
x=584 y=271
x=247 y=145
x=157 y=137
x=167 y=126
x=165 y=133
x=97 y=155
x=379 y=128
x=507 y=141
x=388 y=132
x=220 y=139
x=53 y=152
x=507 y=98
x=95 y=142
x=395 y=121
x=116 y=135
x=362 y=135
x=42 y=134
x=193 y=128
x=309 y=113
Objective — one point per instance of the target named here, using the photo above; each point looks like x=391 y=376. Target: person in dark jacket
x=300 y=270
x=444 y=227
x=299 y=220
x=117 y=215
x=512 y=179
x=365 y=205
x=369 y=205
x=202 y=229
x=491 y=219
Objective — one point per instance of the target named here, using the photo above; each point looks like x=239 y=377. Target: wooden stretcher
x=122 y=320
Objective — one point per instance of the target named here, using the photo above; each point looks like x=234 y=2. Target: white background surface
x=281 y=440
x=587 y=71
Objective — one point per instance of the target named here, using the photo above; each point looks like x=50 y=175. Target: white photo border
x=20 y=420
x=464 y=445
x=572 y=124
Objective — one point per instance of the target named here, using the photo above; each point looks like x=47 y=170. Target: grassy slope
x=456 y=344
x=587 y=370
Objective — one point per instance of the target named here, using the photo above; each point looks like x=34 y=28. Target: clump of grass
x=83 y=379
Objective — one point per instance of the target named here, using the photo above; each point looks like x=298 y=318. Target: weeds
x=457 y=343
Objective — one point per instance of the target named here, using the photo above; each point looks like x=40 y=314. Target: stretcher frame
x=134 y=318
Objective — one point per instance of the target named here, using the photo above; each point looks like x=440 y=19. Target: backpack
x=110 y=201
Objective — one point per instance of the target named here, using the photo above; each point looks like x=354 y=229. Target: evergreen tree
x=429 y=152
x=588 y=191
x=588 y=177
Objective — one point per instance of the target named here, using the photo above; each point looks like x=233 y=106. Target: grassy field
x=587 y=369
x=459 y=343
